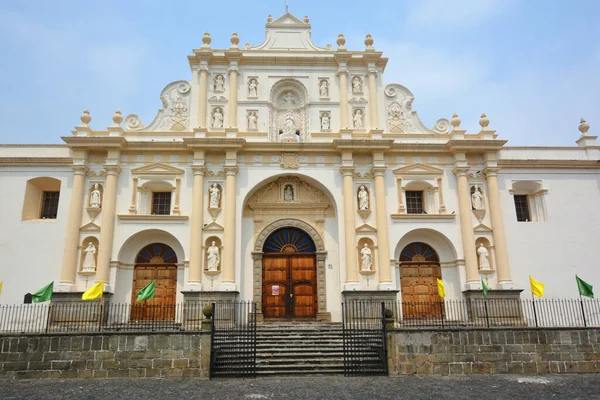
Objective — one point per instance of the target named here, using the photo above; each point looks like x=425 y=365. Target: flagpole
x=533 y=303
x=581 y=301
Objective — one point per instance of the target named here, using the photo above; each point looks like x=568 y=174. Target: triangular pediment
x=482 y=228
x=214 y=227
x=366 y=228
x=286 y=33
x=288 y=19
x=157 y=169
x=418 y=169
x=90 y=228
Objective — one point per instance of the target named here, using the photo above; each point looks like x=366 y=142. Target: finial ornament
x=117 y=117
x=455 y=121
x=369 y=42
x=341 y=42
x=269 y=19
x=306 y=20
x=206 y=39
x=86 y=118
x=235 y=40
x=484 y=121
x=584 y=127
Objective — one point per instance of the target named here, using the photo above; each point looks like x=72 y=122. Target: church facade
x=294 y=176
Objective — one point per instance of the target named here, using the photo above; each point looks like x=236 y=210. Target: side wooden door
x=162 y=306
x=419 y=290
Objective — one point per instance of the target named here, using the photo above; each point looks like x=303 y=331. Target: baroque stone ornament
x=358 y=119
x=289 y=161
x=400 y=116
x=357 y=84
x=253 y=87
x=217 y=117
x=95 y=196
x=252 y=118
x=174 y=114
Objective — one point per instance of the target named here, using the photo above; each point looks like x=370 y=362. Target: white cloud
x=455 y=12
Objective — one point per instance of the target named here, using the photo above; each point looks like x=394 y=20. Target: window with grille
x=522 y=208
x=49 y=205
x=414 y=202
x=161 y=203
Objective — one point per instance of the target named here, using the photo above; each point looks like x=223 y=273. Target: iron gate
x=365 y=338
x=233 y=340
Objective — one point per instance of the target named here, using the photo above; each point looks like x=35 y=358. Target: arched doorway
x=156 y=261
x=289 y=287
x=419 y=271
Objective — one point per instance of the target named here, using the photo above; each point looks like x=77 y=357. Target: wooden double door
x=162 y=306
x=289 y=286
x=419 y=290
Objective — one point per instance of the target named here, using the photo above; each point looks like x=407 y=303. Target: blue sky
x=532 y=65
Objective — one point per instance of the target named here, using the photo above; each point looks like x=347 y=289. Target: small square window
x=522 y=208
x=414 y=202
x=49 y=205
x=161 y=203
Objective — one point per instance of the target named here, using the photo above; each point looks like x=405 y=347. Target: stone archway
x=321 y=255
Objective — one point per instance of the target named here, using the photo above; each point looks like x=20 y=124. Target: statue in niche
x=215 y=195
x=325 y=122
x=252 y=121
x=366 y=258
x=483 y=255
x=213 y=259
x=89 y=262
x=95 y=201
x=288 y=193
x=253 y=88
x=358 y=119
x=363 y=198
x=357 y=85
x=324 y=88
x=217 y=118
x=289 y=128
x=219 y=83
x=477 y=199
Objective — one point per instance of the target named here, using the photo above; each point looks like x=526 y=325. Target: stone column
x=350 y=226
x=466 y=228
x=343 y=74
x=229 y=228
x=69 y=266
x=107 y=228
x=233 y=94
x=383 y=241
x=504 y=278
x=196 y=225
x=203 y=70
x=373 y=112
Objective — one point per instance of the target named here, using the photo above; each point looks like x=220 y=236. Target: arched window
x=289 y=240
x=156 y=253
x=41 y=199
x=529 y=199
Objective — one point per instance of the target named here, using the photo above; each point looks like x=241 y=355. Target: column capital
x=461 y=171
x=234 y=68
x=491 y=171
x=347 y=170
x=80 y=169
x=378 y=171
x=372 y=68
x=112 y=169
x=231 y=169
x=342 y=70
x=199 y=169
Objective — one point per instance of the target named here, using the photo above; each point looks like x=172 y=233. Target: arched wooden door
x=158 y=262
x=419 y=271
x=289 y=287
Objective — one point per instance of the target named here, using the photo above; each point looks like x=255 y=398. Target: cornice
x=95 y=142
x=549 y=164
x=214 y=144
x=42 y=161
x=475 y=145
x=363 y=145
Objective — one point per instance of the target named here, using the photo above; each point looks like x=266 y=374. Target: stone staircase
x=296 y=348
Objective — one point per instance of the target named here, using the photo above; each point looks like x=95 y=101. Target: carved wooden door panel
x=275 y=285
x=162 y=306
x=303 y=285
x=419 y=290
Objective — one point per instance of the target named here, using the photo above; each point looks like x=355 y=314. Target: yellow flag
x=537 y=288
x=95 y=292
x=0 y=287
x=440 y=285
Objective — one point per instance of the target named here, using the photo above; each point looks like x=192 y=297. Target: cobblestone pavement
x=570 y=387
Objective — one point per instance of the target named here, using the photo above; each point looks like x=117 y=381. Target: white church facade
x=294 y=176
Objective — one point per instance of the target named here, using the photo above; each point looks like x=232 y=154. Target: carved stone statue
x=217 y=118
x=356 y=85
x=358 y=119
x=89 y=262
x=288 y=193
x=325 y=122
x=253 y=88
x=219 y=83
x=483 y=255
x=324 y=88
x=213 y=259
x=215 y=195
x=289 y=129
x=366 y=258
x=252 y=121
x=477 y=199
x=363 y=198
x=95 y=201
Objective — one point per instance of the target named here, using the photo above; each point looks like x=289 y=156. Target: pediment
x=288 y=19
x=418 y=169
x=366 y=228
x=90 y=228
x=214 y=227
x=157 y=169
x=482 y=228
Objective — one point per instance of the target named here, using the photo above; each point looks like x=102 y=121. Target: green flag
x=484 y=287
x=147 y=292
x=585 y=289
x=44 y=294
